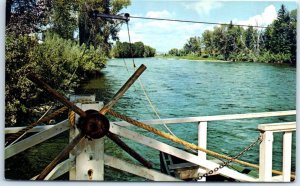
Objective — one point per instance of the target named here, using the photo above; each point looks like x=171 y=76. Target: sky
x=164 y=36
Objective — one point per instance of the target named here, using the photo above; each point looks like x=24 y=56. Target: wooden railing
x=266 y=149
x=120 y=129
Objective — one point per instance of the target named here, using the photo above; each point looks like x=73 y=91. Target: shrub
x=58 y=62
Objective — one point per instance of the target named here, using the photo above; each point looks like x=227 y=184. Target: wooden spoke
x=123 y=89
x=64 y=153
x=56 y=95
x=126 y=148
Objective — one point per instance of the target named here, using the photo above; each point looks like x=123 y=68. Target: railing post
x=265 y=157
x=89 y=154
x=287 y=156
x=202 y=142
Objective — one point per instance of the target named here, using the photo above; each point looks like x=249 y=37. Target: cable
x=190 y=21
x=141 y=84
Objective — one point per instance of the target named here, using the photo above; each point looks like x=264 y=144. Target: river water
x=183 y=88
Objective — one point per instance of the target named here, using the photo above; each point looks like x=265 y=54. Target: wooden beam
x=278 y=127
x=202 y=142
x=213 y=118
x=36 y=139
x=11 y=130
x=60 y=169
x=88 y=154
x=178 y=153
x=287 y=156
x=265 y=157
x=138 y=170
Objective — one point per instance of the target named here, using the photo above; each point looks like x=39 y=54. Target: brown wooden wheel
x=92 y=124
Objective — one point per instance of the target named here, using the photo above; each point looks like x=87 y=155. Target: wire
x=142 y=86
x=190 y=21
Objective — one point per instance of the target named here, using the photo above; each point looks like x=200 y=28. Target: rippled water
x=182 y=88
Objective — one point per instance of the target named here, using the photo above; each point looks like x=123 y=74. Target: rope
x=29 y=127
x=185 y=143
x=71 y=117
x=72 y=114
x=142 y=86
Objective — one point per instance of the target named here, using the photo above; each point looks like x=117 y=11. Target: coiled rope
x=185 y=143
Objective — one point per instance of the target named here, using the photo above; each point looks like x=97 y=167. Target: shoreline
x=196 y=60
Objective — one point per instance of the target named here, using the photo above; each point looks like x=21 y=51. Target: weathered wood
x=59 y=170
x=187 y=173
x=36 y=139
x=11 y=130
x=55 y=94
x=178 y=153
x=127 y=149
x=123 y=89
x=64 y=153
x=278 y=127
x=183 y=165
x=265 y=157
x=88 y=155
x=213 y=118
x=137 y=170
x=202 y=142
x=287 y=156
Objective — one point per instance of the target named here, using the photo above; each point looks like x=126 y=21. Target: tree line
x=275 y=44
x=127 y=50
x=60 y=41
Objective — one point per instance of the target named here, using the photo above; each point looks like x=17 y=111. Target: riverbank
x=191 y=58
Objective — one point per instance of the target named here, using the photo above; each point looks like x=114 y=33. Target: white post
x=202 y=142
x=287 y=156
x=89 y=155
x=265 y=157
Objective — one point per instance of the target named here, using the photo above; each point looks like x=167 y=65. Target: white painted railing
x=119 y=129
x=266 y=148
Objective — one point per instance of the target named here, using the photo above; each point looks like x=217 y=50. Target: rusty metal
x=56 y=95
x=226 y=163
x=94 y=125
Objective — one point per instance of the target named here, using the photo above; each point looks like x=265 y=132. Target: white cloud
x=264 y=19
x=159 y=14
x=204 y=7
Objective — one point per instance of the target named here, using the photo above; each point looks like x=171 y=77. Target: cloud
x=264 y=19
x=159 y=14
x=204 y=7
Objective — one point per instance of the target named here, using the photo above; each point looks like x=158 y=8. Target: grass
x=192 y=57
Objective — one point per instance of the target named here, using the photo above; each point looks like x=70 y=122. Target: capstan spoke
x=123 y=89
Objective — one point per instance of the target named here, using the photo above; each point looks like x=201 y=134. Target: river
x=183 y=88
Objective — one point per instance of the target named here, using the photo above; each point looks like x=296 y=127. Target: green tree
x=207 y=41
x=63 y=18
x=98 y=31
x=193 y=46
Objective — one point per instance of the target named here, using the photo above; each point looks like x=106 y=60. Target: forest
x=128 y=50
x=60 y=42
x=274 y=44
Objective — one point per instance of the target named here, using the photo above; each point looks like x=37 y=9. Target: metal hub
x=94 y=125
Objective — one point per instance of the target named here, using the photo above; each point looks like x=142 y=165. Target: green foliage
x=60 y=63
x=138 y=49
x=64 y=21
x=193 y=46
x=276 y=44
